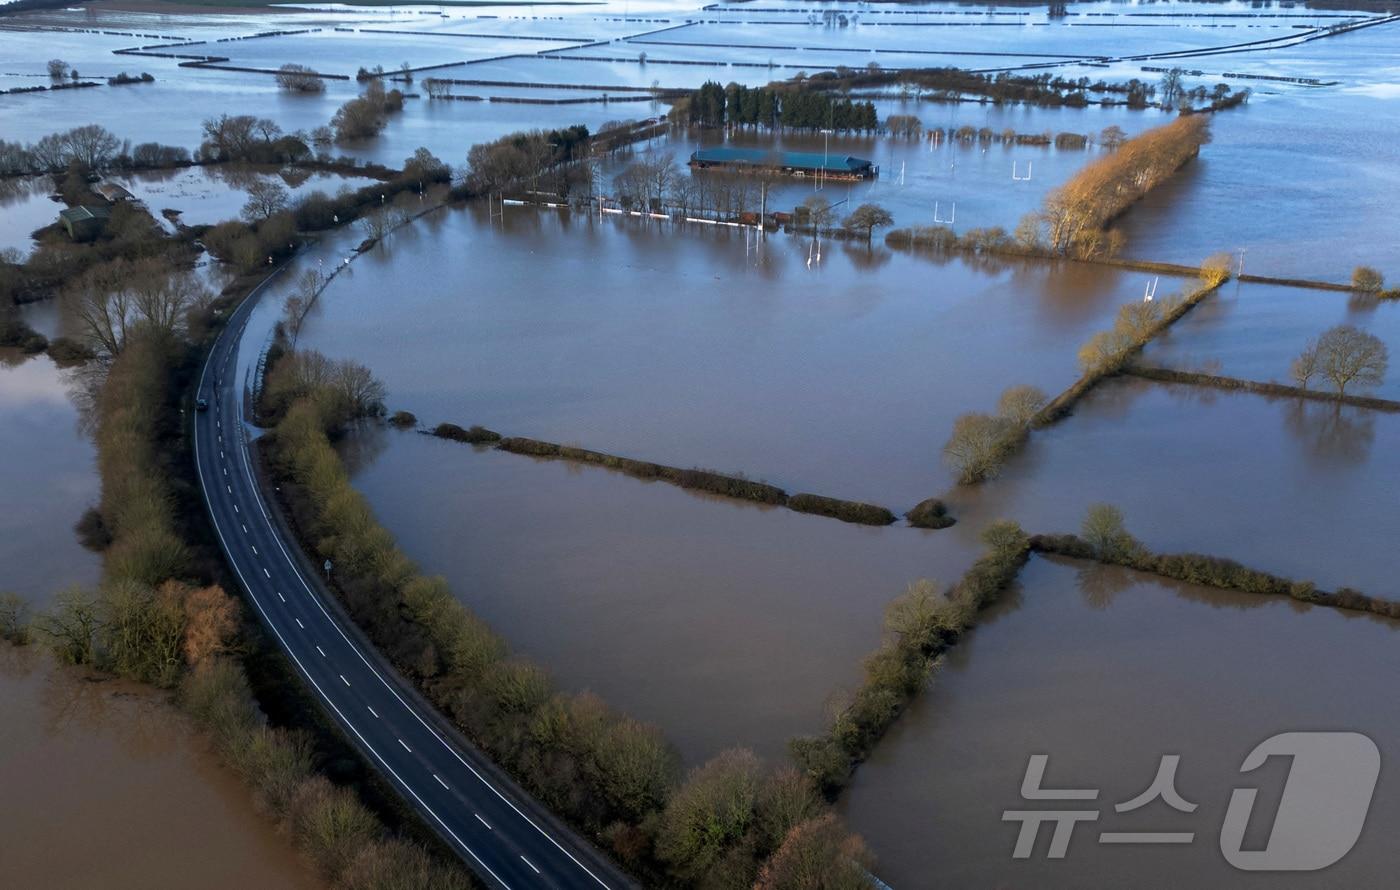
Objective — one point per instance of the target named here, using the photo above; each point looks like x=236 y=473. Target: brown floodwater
x=723 y=623
x=691 y=346
x=1303 y=489
x=1255 y=331
x=1105 y=671
x=105 y=785
x=47 y=480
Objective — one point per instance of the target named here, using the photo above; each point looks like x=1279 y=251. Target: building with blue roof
x=789 y=163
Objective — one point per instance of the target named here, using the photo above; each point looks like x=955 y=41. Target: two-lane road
x=508 y=839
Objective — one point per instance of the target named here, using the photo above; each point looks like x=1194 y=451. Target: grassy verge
x=158 y=619
x=727 y=823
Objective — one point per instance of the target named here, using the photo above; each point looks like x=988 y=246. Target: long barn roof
x=804 y=160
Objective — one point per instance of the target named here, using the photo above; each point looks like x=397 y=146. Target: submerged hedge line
x=1282 y=390
x=728 y=823
x=1103 y=539
x=982 y=443
x=925 y=621
x=722 y=484
x=700 y=480
x=920 y=626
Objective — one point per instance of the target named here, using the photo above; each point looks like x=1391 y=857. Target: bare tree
x=1105 y=532
x=71 y=626
x=1347 y=355
x=1304 y=367
x=92 y=146
x=1112 y=136
x=163 y=298
x=112 y=300
x=266 y=198
x=867 y=218
x=300 y=302
x=103 y=308
x=58 y=69
x=296 y=78
x=976 y=448
x=1171 y=89
x=1366 y=279
x=1020 y=404
x=376 y=224
x=818 y=211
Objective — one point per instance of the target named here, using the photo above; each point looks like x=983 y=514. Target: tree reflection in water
x=1100 y=584
x=1331 y=435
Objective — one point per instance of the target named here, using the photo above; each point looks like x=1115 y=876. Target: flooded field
x=25 y=206
x=210 y=195
x=685 y=346
x=1299 y=489
x=834 y=367
x=725 y=624
x=923 y=181
x=1270 y=182
x=106 y=786
x=48 y=480
x=1106 y=671
x=1254 y=331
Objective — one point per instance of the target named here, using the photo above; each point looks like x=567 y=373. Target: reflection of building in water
x=785 y=163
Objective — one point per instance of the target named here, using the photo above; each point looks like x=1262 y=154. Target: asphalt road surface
x=506 y=837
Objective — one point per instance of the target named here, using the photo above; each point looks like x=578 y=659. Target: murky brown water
x=730 y=624
x=1106 y=671
x=47 y=478
x=692 y=347
x=1301 y=489
x=104 y=785
x=1255 y=331
x=726 y=624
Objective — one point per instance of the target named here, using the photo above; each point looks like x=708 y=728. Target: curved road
x=507 y=838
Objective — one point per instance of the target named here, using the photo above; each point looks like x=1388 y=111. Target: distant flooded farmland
x=832 y=366
x=1105 y=671
x=1273 y=181
x=106 y=786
